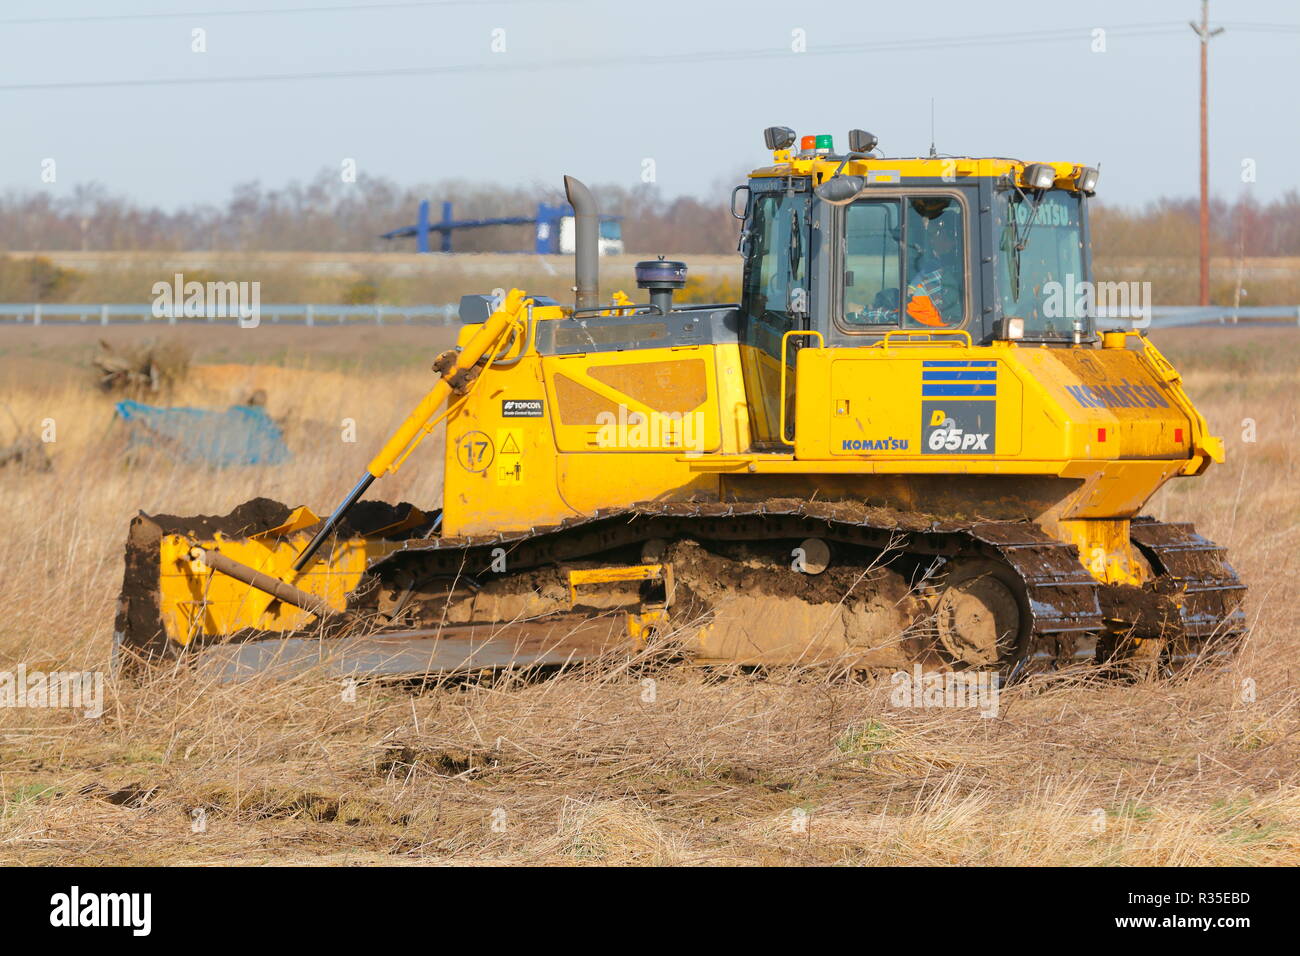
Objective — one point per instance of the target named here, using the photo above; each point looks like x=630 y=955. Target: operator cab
x=848 y=249
x=858 y=245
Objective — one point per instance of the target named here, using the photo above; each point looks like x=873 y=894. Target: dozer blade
x=454 y=649
x=226 y=584
x=192 y=581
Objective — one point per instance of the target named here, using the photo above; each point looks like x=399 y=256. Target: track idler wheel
x=982 y=618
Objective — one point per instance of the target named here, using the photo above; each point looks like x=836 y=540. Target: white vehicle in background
x=611 y=237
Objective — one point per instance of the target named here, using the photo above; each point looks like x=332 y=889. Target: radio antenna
x=933 y=154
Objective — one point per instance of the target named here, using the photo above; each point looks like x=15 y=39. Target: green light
x=824 y=141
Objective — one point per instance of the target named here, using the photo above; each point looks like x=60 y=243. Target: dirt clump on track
x=251 y=517
x=262 y=514
x=856 y=512
x=760 y=609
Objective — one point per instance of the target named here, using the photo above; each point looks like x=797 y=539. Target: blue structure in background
x=240 y=435
x=546 y=225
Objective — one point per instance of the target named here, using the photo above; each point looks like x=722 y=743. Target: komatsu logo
x=874 y=444
x=1124 y=395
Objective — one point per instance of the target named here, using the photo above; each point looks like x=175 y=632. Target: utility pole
x=1203 y=31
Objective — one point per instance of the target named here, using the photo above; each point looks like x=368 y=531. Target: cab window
x=914 y=244
x=776 y=273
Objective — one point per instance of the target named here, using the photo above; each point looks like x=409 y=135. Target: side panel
x=1112 y=406
x=903 y=404
x=553 y=436
x=984 y=404
x=623 y=419
x=499 y=460
x=643 y=399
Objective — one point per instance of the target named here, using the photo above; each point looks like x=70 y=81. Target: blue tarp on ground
x=240 y=435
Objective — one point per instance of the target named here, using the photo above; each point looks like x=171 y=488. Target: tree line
x=327 y=215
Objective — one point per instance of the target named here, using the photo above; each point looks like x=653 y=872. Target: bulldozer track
x=1063 y=598
x=1195 y=572
x=1194 y=601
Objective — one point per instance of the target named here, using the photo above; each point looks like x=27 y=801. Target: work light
x=1038 y=176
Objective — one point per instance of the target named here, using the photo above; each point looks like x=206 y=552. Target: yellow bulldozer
x=910 y=443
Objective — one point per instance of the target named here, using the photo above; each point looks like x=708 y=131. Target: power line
x=997 y=39
x=1263 y=27
x=602 y=62
x=265 y=11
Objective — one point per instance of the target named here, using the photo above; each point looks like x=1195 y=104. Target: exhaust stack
x=586 y=245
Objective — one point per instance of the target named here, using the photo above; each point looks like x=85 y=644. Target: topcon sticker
x=522 y=407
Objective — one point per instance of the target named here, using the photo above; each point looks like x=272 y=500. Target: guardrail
x=42 y=313
x=1172 y=316
x=1203 y=315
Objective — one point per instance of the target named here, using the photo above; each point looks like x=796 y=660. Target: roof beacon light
x=807 y=145
x=824 y=144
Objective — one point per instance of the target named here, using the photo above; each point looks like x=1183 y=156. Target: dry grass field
x=404 y=278
x=355 y=278
x=786 y=768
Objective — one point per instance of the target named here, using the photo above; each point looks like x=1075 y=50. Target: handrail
x=821 y=343
x=922 y=337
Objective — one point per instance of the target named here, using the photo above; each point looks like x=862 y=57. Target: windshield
x=1040 y=274
x=611 y=229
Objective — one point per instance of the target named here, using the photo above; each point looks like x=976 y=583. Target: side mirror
x=860 y=141
x=740 y=202
x=841 y=190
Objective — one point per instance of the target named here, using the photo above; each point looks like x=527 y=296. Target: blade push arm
x=420 y=422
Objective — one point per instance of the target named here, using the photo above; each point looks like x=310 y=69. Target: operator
x=934 y=294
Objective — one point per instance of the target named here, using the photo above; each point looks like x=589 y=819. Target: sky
x=522 y=91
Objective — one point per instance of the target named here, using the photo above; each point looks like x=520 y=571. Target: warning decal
x=510 y=455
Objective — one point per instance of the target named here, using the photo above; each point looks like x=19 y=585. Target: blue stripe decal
x=965 y=375
x=970 y=364
x=944 y=391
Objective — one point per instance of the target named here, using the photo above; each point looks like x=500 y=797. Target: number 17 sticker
x=475 y=451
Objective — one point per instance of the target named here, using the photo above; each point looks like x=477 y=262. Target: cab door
x=905 y=261
x=775 y=301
